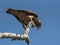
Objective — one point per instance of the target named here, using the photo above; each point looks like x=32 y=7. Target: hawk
x=25 y=16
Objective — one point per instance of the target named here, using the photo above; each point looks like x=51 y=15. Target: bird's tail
x=10 y=11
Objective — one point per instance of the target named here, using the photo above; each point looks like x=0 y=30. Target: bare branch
x=14 y=36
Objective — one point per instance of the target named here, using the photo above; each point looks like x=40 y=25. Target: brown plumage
x=25 y=16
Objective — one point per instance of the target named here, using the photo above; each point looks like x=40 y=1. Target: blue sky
x=48 y=12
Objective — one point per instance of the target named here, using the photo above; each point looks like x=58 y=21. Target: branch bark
x=14 y=36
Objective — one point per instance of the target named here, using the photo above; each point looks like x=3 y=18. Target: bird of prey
x=25 y=16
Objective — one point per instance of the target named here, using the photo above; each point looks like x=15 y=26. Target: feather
x=25 y=16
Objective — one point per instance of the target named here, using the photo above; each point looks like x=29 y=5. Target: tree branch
x=15 y=36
